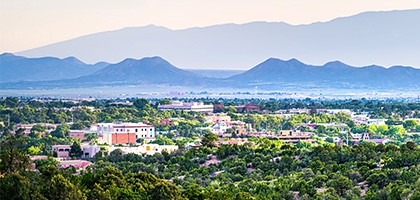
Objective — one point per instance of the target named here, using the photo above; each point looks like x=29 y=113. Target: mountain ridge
x=362 y=39
x=19 y=68
x=271 y=74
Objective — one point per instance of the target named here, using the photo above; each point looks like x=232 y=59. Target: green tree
x=410 y=125
x=75 y=150
x=13 y=156
x=116 y=155
x=340 y=184
x=61 y=131
x=61 y=188
x=16 y=187
x=209 y=139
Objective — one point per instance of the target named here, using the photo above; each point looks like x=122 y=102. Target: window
x=136 y=130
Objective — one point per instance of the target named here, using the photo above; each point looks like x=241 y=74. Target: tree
x=37 y=130
x=209 y=139
x=141 y=104
x=61 y=131
x=410 y=125
x=75 y=150
x=162 y=140
x=61 y=188
x=380 y=179
x=116 y=155
x=340 y=183
x=17 y=186
x=13 y=157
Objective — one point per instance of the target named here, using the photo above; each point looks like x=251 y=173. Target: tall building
x=124 y=132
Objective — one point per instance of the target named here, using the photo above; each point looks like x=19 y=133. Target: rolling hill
x=275 y=73
x=18 y=68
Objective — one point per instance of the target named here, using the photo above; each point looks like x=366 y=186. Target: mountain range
x=272 y=74
x=18 y=68
x=384 y=38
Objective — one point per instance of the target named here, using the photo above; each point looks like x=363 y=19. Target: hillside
x=19 y=68
x=147 y=71
x=275 y=73
x=271 y=75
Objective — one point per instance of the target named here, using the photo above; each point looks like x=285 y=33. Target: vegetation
x=260 y=169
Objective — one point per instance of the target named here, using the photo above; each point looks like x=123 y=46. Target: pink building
x=62 y=151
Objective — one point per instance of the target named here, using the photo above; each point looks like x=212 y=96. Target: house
x=89 y=151
x=78 y=164
x=61 y=151
x=219 y=128
x=377 y=141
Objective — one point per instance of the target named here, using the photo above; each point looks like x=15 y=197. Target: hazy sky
x=26 y=24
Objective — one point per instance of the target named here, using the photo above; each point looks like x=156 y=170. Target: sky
x=26 y=24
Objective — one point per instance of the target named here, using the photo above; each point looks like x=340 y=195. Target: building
x=377 y=122
x=222 y=117
x=61 y=151
x=219 y=128
x=146 y=149
x=187 y=106
x=78 y=134
x=248 y=107
x=294 y=136
x=89 y=151
x=78 y=164
x=125 y=133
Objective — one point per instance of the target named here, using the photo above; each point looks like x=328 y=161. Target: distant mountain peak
x=335 y=64
x=7 y=54
x=74 y=60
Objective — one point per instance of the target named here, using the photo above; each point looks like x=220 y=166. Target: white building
x=220 y=128
x=124 y=133
x=376 y=121
x=146 y=149
x=187 y=106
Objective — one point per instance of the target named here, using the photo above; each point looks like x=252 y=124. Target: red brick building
x=123 y=138
x=77 y=134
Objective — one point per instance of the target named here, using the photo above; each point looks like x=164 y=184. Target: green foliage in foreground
x=267 y=169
